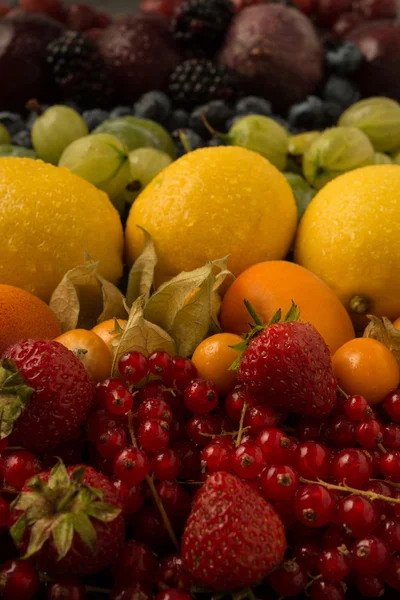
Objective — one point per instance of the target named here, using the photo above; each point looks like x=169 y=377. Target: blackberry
x=198 y=81
x=202 y=24
x=78 y=69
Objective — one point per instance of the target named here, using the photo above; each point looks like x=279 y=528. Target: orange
x=213 y=357
x=92 y=351
x=23 y=315
x=367 y=367
x=105 y=330
x=273 y=285
x=397 y=323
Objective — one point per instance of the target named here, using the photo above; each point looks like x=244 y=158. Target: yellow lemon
x=349 y=237
x=211 y=203
x=48 y=219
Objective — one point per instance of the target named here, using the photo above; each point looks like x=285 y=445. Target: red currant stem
x=242 y=416
x=340 y=488
x=342 y=392
x=190 y=482
x=153 y=489
x=392 y=483
x=223 y=433
x=382 y=448
x=310 y=583
x=13 y=448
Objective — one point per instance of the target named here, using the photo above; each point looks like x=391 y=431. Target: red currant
x=218 y=456
x=374 y=457
x=133 y=367
x=235 y=401
x=351 y=467
x=3 y=444
x=314 y=505
x=131 y=466
x=370 y=587
x=4 y=513
x=155 y=408
x=391 y=406
x=260 y=417
x=357 y=408
x=322 y=589
x=357 y=515
x=279 y=482
x=275 y=446
x=289 y=579
x=201 y=427
x=173 y=595
x=110 y=442
x=390 y=466
x=341 y=432
x=308 y=429
x=100 y=421
x=389 y=531
x=171 y=574
x=165 y=465
x=333 y=537
x=20 y=467
x=131 y=498
x=183 y=372
x=119 y=401
x=19 y=580
x=103 y=388
x=248 y=460
x=335 y=564
x=149 y=527
x=153 y=435
x=154 y=389
x=391 y=436
x=392 y=572
x=190 y=460
x=312 y=460
x=201 y=397
x=383 y=489
x=70 y=589
x=370 y=555
x=176 y=501
x=131 y=591
x=307 y=553
x=369 y=433
x=160 y=364
x=136 y=562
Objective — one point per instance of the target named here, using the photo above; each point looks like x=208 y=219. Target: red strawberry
x=69 y=521
x=233 y=537
x=45 y=395
x=288 y=364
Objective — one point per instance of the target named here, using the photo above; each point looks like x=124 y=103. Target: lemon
x=349 y=237
x=48 y=219
x=211 y=203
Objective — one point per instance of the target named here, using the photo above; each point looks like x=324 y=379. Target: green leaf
x=141 y=336
x=63 y=534
x=59 y=477
x=141 y=276
x=40 y=533
x=186 y=306
x=84 y=528
x=18 y=529
x=84 y=298
x=276 y=318
x=293 y=314
x=78 y=475
x=10 y=409
x=103 y=511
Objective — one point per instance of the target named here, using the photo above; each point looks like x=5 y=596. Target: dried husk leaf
x=384 y=331
x=141 y=276
x=84 y=298
x=140 y=335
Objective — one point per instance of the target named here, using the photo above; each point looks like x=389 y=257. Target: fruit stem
x=253 y=314
x=382 y=448
x=340 y=488
x=34 y=106
x=342 y=392
x=210 y=129
x=241 y=429
x=359 y=305
x=185 y=141
x=392 y=483
x=153 y=489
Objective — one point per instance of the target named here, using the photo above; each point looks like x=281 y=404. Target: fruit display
x=199 y=300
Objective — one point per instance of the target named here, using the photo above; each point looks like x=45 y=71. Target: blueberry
x=332 y=112
x=121 y=111
x=12 y=121
x=216 y=113
x=95 y=117
x=72 y=104
x=252 y=105
x=281 y=121
x=230 y=122
x=179 y=119
x=188 y=138
x=341 y=91
x=22 y=138
x=308 y=114
x=153 y=105
x=344 y=59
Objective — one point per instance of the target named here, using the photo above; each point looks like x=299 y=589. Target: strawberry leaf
x=14 y=396
x=59 y=477
x=141 y=276
x=78 y=475
x=84 y=528
x=40 y=533
x=292 y=315
x=18 y=529
x=63 y=534
x=102 y=511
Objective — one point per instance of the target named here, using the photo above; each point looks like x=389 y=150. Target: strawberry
x=288 y=365
x=45 y=395
x=233 y=537
x=69 y=521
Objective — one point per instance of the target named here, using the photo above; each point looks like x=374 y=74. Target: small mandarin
x=92 y=351
x=214 y=356
x=106 y=330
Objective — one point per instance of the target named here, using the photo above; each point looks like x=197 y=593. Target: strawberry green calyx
x=14 y=396
x=258 y=326
x=57 y=509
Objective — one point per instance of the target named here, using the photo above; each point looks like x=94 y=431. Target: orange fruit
x=92 y=351
x=213 y=357
x=105 y=330
x=23 y=315
x=273 y=285
x=396 y=323
x=367 y=367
